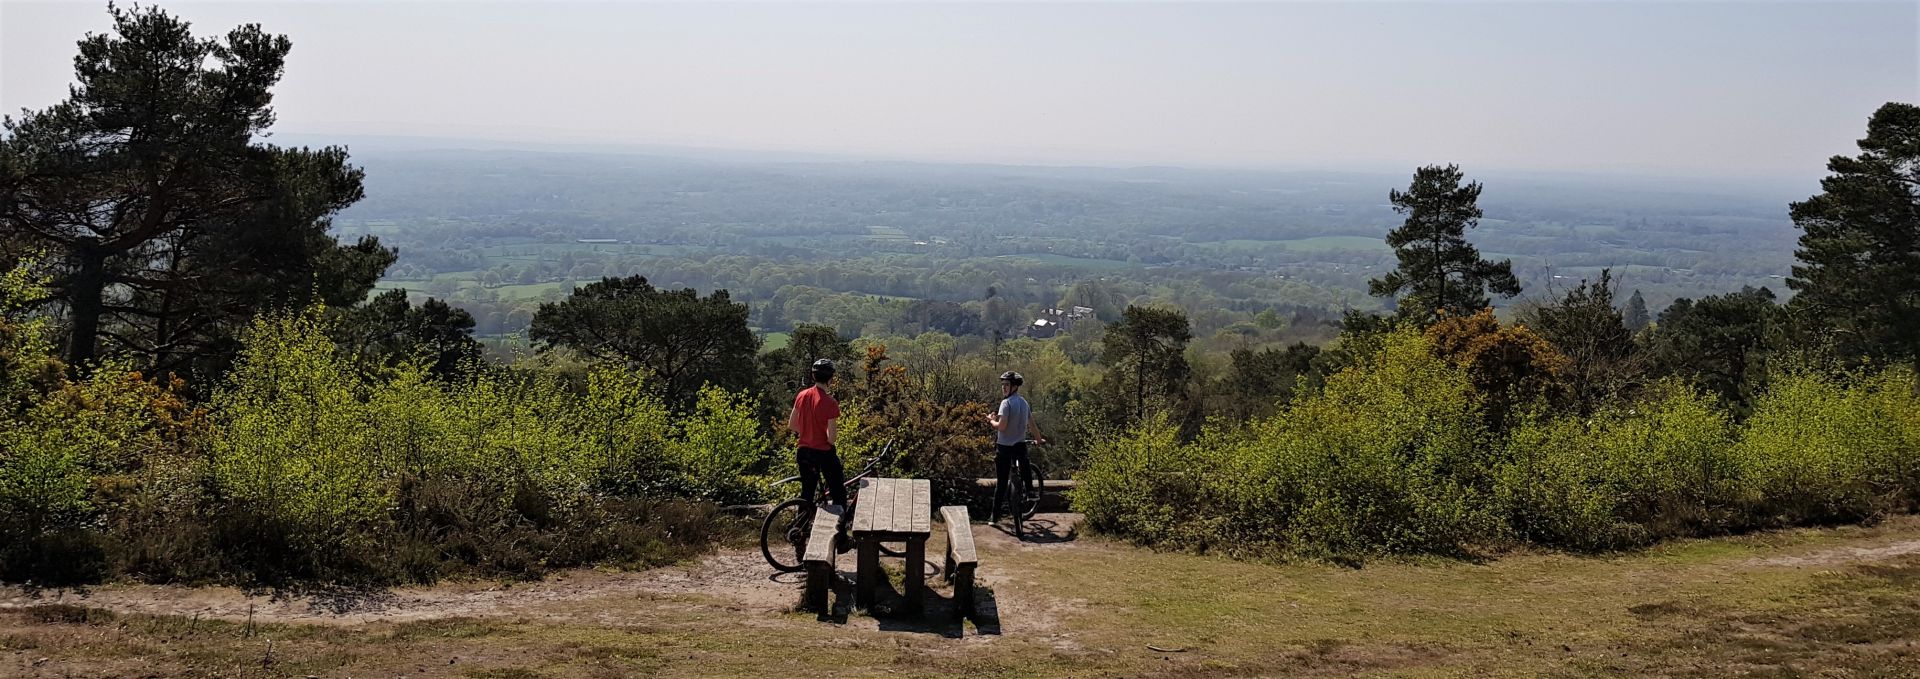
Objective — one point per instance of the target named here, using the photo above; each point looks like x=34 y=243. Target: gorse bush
x=1394 y=456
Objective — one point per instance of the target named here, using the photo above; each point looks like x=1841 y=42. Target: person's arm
x=1033 y=429
x=833 y=423
x=999 y=420
x=793 y=421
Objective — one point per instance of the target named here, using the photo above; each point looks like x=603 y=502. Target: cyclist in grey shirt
x=1011 y=425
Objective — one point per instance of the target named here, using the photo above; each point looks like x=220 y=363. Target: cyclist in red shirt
x=814 y=413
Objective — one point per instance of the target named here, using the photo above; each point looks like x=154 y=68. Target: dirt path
x=734 y=579
x=1836 y=602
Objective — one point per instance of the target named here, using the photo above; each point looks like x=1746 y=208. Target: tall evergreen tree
x=167 y=224
x=1636 y=316
x=1439 y=269
x=1589 y=331
x=1145 y=354
x=1859 y=273
x=1718 y=343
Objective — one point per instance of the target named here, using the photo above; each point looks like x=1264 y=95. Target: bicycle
x=1024 y=501
x=784 y=533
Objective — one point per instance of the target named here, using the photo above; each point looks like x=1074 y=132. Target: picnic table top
x=893 y=507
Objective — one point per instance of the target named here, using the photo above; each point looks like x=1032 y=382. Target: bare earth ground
x=1835 y=602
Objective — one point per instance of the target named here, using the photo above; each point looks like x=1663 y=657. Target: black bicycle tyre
x=1036 y=489
x=784 y=534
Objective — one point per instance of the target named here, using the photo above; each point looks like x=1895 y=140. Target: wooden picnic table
x=892 y=510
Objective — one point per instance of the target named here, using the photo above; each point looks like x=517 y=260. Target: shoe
x=842 y=543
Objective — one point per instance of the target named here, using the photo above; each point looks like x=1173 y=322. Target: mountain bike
x=783 y=536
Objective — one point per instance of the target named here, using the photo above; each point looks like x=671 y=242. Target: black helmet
x=822 y=369
x=1011 y=377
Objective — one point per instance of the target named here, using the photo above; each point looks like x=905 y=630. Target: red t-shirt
x=812 y=409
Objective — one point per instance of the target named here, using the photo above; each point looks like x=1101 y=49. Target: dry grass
x=1841 y=602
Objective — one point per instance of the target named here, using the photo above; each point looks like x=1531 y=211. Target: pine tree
x=1146 y=358
x=167 y=223
x=1439 y=270
x=1636 y=315
x=1859 y=273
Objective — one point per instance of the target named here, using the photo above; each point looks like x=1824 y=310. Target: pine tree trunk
x=83 y=295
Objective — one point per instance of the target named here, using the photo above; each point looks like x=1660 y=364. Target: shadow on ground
x=1042 y=530
x=938 y=616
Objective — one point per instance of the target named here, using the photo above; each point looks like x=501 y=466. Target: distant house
x=1043 y=328
x=1080 y=312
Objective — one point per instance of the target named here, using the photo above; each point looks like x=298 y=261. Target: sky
x=1682 y=88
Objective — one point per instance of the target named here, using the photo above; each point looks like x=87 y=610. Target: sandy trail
x=732 y=580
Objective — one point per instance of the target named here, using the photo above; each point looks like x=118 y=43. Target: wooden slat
x=882 y=507
x=826 y=522
x=959 y=534
x=863 y=520
x=902 y=506
x=922 y=507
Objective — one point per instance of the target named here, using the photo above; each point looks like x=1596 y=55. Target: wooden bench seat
x=818 y=559
x=961 y=558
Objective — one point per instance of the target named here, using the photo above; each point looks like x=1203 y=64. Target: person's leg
x=1019 y=452
x=833 y=476
x=1002 y=467
x=804 y=460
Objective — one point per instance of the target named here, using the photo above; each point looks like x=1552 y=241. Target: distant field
x=1314 y=244
x=1083 y=262
x=775 y=340
x=553 y=251
x=465 y=281
x=885 y=233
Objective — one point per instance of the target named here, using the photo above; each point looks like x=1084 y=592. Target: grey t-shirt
x=1014 y=412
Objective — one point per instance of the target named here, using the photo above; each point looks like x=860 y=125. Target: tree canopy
x=684 y=339
x=166 y=224
x=1145 y=354
x=1438 y=268
x=1859 y=273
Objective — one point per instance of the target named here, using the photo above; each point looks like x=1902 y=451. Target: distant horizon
x=376 y=143
x=1721 y=91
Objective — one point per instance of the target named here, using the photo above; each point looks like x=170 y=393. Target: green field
x=1063 y=260
x=1313 y=244
x=775 y=341
x=885 y=233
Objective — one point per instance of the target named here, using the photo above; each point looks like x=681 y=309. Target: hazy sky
x=1694 y=88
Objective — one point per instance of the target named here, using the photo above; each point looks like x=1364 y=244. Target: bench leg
x=963 y=592
x=868 y=575
x=916 y=574
x=819 y=584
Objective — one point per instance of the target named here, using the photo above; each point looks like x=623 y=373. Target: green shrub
x=291 y=438
x=721 y=453
x=1828 y=448
x=1392 y=457
x=1663 y=468
x=1142 y=484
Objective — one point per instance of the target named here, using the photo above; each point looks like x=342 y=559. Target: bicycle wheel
x=1029 y=504
x=783 y=536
